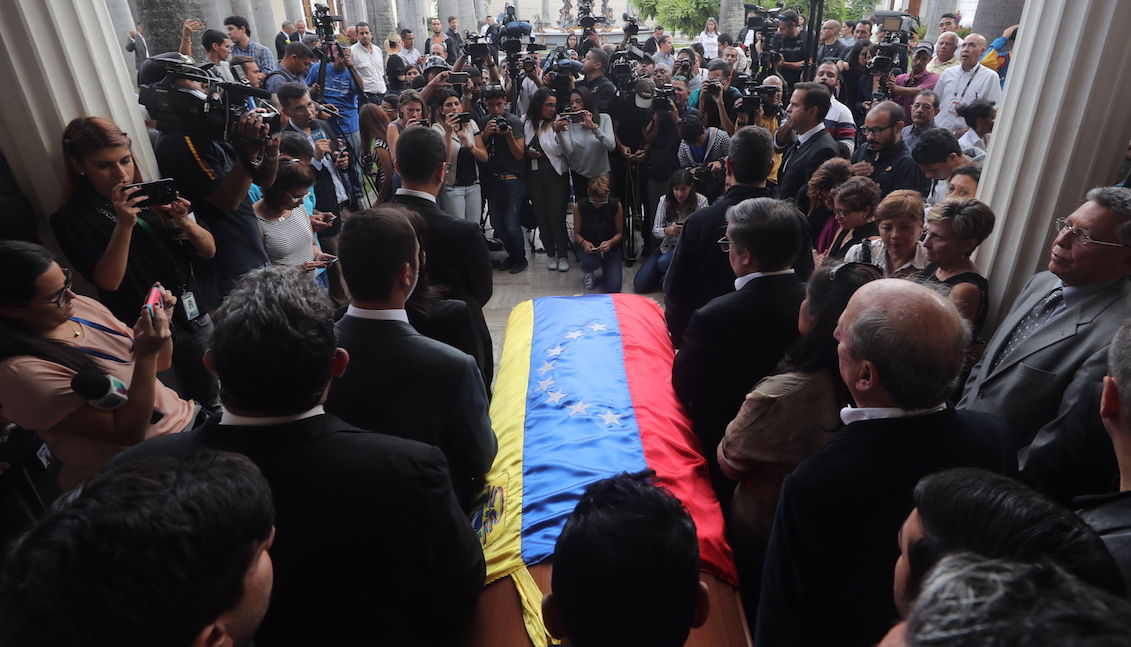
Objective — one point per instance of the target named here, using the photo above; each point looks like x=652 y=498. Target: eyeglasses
x=60 y=297
x=724 y=244
x=1081 y=236
x=864 y=130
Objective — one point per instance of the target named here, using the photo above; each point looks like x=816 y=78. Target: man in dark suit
x=699 y=270
x=738 y=338
x=396 y=375
x=455 y=251
x=1053 y=343
x=813 y=144
x=834 y=543
x=367 y=528
x=283 y=38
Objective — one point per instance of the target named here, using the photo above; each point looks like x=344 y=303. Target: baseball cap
x=923 y=47
x=645 y=90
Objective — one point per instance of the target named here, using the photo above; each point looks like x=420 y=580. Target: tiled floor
x=537 y=281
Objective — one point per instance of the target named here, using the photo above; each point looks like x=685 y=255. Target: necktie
x=787 y=158
x=1030 y=323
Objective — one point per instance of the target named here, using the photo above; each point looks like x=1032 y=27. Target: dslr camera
x=215 y=115
x=501 y=124
x=757 y=97
x=663 y=99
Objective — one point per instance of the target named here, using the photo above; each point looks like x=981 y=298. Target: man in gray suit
x=1054 y=341
x=136 y=44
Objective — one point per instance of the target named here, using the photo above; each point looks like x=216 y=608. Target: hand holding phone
x=153 y=301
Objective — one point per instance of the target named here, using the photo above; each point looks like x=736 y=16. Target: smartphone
x=163 y=191
x=153 y=301
x=330 y=261
x=463 y=117
x=423 y=122
x=574 y=117
x=458 y=78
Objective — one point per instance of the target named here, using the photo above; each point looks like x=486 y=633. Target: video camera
x=585 y=16
x=897 y=27
x=762 y=20
x=474 y=46
x=324 y=22
x=622 y=67
x=561 y=69
x=213 y=116
x=756 y=96
x=513 y=33
x=663 y=98
x=631 y=25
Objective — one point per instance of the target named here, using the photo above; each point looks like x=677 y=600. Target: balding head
x=973 y=46
x=901 y=344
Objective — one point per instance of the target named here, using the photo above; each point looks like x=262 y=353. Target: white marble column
x=47 y=92
x=123 y=21
x=294 y=11
x=355 y=11
x=267 y=25
x=1061 y=130
x=243 y=8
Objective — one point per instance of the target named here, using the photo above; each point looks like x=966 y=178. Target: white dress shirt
x=370 y=66
x=849 y=415
x=382 y=315
x=741 y=281
x=229 y=418
x=419 y=194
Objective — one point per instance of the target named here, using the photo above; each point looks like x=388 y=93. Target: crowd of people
x=288 y=425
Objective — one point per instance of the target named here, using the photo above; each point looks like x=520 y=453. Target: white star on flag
x=610 y=418
x=573 y=334
x=555 y=351
x=555 y=396
x=548 y=366
x=545 y=384
x=578 y=408
x=596 y=327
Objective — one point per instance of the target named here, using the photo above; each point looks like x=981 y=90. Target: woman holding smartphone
x=123 y=247
x=460 y=196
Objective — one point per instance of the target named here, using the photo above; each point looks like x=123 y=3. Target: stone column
x=53 y=90
x=355 y=11
x=243 y=8
x=938 y=8
x=294 y=10
x=1061 y=130
x=382 y=20
x=410 y=15
x=163 y=20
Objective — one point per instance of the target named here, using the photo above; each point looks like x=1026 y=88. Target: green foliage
x=843 y=10
x=686 y=16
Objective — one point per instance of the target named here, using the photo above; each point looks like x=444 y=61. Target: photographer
x=504 y=139
x=123 y=248
x=661 y=137
x=529 y=80
x=687 y=66
x=460 y=197
x=587 y=142
x=548 y=180
x=791 y=44
x=769 y=115
x=214 y=176
x=716 y=104
x=703 y=151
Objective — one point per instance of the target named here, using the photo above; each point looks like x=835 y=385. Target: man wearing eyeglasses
x=885 y=158
x=830 y=46
x=1053 y=343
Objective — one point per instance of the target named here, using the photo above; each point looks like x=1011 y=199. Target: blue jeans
x=651 y=273
x=505 y=200
x=611 y=264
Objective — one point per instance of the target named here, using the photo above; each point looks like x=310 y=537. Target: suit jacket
x=834 y=544
x=458 y=260
x=700 y=271
x=408 y=385
x=366 y=528
x=1041 y=378
x=730 y=344
x=450 y=321
x=800 y=162
x=139 y=47
x=281 y=42
x=1110 y=516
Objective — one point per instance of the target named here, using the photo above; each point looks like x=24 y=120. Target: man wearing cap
x=905 y=87
x=790 y=42
x=715 y=99
x=645 y=67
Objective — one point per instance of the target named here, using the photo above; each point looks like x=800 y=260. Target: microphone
x=104 y=392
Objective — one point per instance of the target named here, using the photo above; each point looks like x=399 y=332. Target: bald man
x=833 y=547
x=966 y=83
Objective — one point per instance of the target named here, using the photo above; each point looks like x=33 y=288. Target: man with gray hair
x=832 y=543
x=368 y=524
x=966 y=83
x=1053 y=343
x=737 y=339
x=283 y=38
x=945 y=46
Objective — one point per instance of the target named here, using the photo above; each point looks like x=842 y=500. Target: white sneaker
x=551 y=263
x=563 y=265
x=589 y=281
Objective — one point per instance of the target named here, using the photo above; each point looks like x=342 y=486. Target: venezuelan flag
x=584 y=393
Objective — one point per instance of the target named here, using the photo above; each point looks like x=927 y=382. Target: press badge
x=189 y=302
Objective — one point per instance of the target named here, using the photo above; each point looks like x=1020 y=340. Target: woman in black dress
x=955 y=228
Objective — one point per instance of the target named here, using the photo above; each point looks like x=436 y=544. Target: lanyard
x=97 y=353
x=973 y=74
x=170 y=256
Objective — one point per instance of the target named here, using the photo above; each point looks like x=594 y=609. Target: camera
x=631 y=25
x=324 y=22
x=474 y=47
x=761 y=19
x=585 y=16
x=897 y=27
x=501 y=124
x=514 y=32
x=528 y=64
x=757 y=97
x=213 y=116
x=663 y=99
x=714 y=86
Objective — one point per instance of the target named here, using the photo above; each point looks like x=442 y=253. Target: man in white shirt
x=408 y=47
x=965 y=84
x=368 y=63
x=490 y=20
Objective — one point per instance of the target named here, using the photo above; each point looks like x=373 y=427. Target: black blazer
x=700 y=271
x=367 y=528
x=459 y=261
x=450 y=321
x=834 y=542
x=730 y=344
x=894 y=169
x=281 y=42
x=800 y=162
x=405 y=384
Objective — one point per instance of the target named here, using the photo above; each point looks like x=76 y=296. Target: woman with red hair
x=124 y=248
